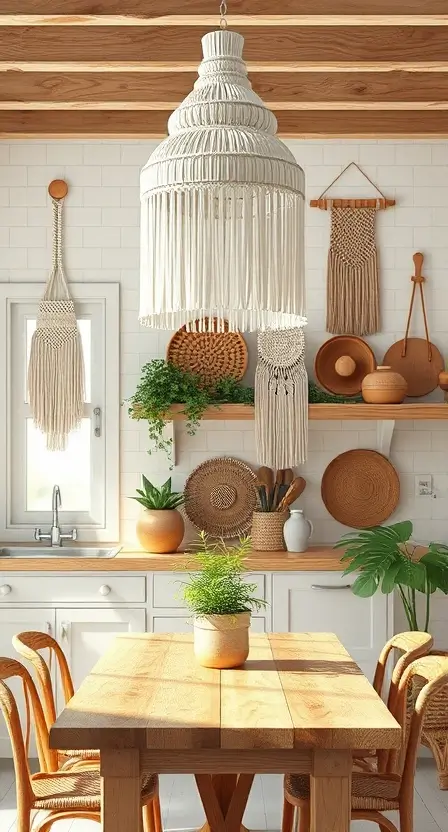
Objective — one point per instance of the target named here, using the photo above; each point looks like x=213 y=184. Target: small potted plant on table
x=160 y=527
x=221 y=602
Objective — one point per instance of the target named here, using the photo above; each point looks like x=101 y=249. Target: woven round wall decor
x=360 y=488
x=212 y=355
x=334 y=356
x=221 y=497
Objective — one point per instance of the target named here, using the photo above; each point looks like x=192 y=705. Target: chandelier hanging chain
x=223 y=12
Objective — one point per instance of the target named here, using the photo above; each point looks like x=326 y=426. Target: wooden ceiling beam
x=234 y=21
x=147 y=9
x=111 y=44
x=161 y=91
x=309 y=125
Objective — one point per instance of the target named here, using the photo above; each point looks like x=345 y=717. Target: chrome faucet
x=55 y=536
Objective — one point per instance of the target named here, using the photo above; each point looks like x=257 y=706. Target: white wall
x=102 y=243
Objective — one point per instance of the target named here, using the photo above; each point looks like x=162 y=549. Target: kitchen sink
x=57 y=552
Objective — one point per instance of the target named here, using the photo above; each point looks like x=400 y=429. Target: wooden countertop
x=317 y=558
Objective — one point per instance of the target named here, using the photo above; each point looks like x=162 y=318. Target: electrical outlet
x=423 y=485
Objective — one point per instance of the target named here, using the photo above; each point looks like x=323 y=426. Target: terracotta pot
x=267 y=530
x=160 y=531
x=384 y=386
x=222 y=640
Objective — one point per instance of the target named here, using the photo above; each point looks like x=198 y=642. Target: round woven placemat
x=360 y=488
x=212 y=355
x=421 y=375
x=331 y=351
x=221 y=497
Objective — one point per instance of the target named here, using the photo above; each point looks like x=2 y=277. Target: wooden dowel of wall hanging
x=58 y=189
x=328 y=204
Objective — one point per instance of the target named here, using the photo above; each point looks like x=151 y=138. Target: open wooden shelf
x=331 y=412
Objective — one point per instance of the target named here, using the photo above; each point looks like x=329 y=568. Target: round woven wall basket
x=220 y=497
x=212 y=355
x=360 y=488
x=267 y=530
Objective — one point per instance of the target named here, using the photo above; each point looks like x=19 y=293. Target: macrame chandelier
x=222 y=202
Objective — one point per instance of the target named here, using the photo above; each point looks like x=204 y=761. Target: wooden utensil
x=416 y=359
x=262 y=494
x=266 y=477
x=294 y=491
x=275 y=494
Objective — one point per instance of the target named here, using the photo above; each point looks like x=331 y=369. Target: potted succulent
x=160 y=527
x=221 y=602
x=387 y=560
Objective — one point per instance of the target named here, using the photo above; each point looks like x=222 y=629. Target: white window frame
x=106 y=294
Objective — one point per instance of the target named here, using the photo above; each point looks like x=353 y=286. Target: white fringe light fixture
x=222 y=202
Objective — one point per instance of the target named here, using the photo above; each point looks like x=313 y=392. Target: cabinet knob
x=104 y=589
x=5 y=589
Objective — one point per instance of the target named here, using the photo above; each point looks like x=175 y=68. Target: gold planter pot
x=222 y=640
x=160 y=531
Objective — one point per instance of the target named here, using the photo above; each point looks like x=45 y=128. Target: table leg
x=120 y=790
x=330 y=783
x=224 y=797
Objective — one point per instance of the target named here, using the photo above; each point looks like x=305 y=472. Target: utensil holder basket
x=267 y=530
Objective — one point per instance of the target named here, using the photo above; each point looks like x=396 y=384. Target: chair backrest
x=28 y=645
x=411 y=645
x=421 y=683
x=9 y=669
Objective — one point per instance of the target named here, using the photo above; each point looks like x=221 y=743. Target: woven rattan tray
x=220 y=497
x=212 y=355
x=360 y=488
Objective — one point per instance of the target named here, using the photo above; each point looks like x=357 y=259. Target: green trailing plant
x=163 y=384
x=216 y=584
x=159 y=499
x=318 y=396
x=387 y=560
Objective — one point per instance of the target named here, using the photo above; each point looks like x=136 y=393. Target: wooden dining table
x=299 y=704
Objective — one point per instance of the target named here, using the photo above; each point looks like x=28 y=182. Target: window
x=87 y=471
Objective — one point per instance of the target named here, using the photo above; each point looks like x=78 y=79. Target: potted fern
x=160 y=527
x=388 y=560
x=221 y=602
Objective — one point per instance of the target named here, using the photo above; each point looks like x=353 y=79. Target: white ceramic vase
x=297 y=531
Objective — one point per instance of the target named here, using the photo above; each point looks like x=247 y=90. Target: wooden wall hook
x=58 y=189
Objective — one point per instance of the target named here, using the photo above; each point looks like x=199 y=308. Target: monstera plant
x=388 y=560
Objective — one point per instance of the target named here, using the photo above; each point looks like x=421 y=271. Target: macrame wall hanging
x=56 y=366
x=281 y=399
x=353 y=295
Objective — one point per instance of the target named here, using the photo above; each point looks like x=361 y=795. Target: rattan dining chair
x=410 y=646
x=374 y=793
x=28 y=645
x=62 y=795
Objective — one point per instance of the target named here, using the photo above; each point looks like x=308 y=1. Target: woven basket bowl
x=211 y=355
x=267 y=530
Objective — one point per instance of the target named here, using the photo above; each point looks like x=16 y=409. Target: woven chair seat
x=79 y=755
x=78 y=791
x=369 y=791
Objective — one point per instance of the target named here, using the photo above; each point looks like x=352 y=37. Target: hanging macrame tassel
x=281 y=399
x=56 y=366
x=353 y=297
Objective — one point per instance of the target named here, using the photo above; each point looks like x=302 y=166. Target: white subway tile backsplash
x=102 y=244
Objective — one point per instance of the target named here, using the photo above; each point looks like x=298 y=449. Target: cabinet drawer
x=167 y=589
x=102 y=589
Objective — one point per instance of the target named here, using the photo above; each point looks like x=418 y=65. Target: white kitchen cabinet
x=12 y=622
x=85 y=634
x=166 y=622
x=324 y=602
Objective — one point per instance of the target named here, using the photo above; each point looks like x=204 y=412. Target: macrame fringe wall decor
x=281 y=399
x=353 y=293
x=56 y=366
